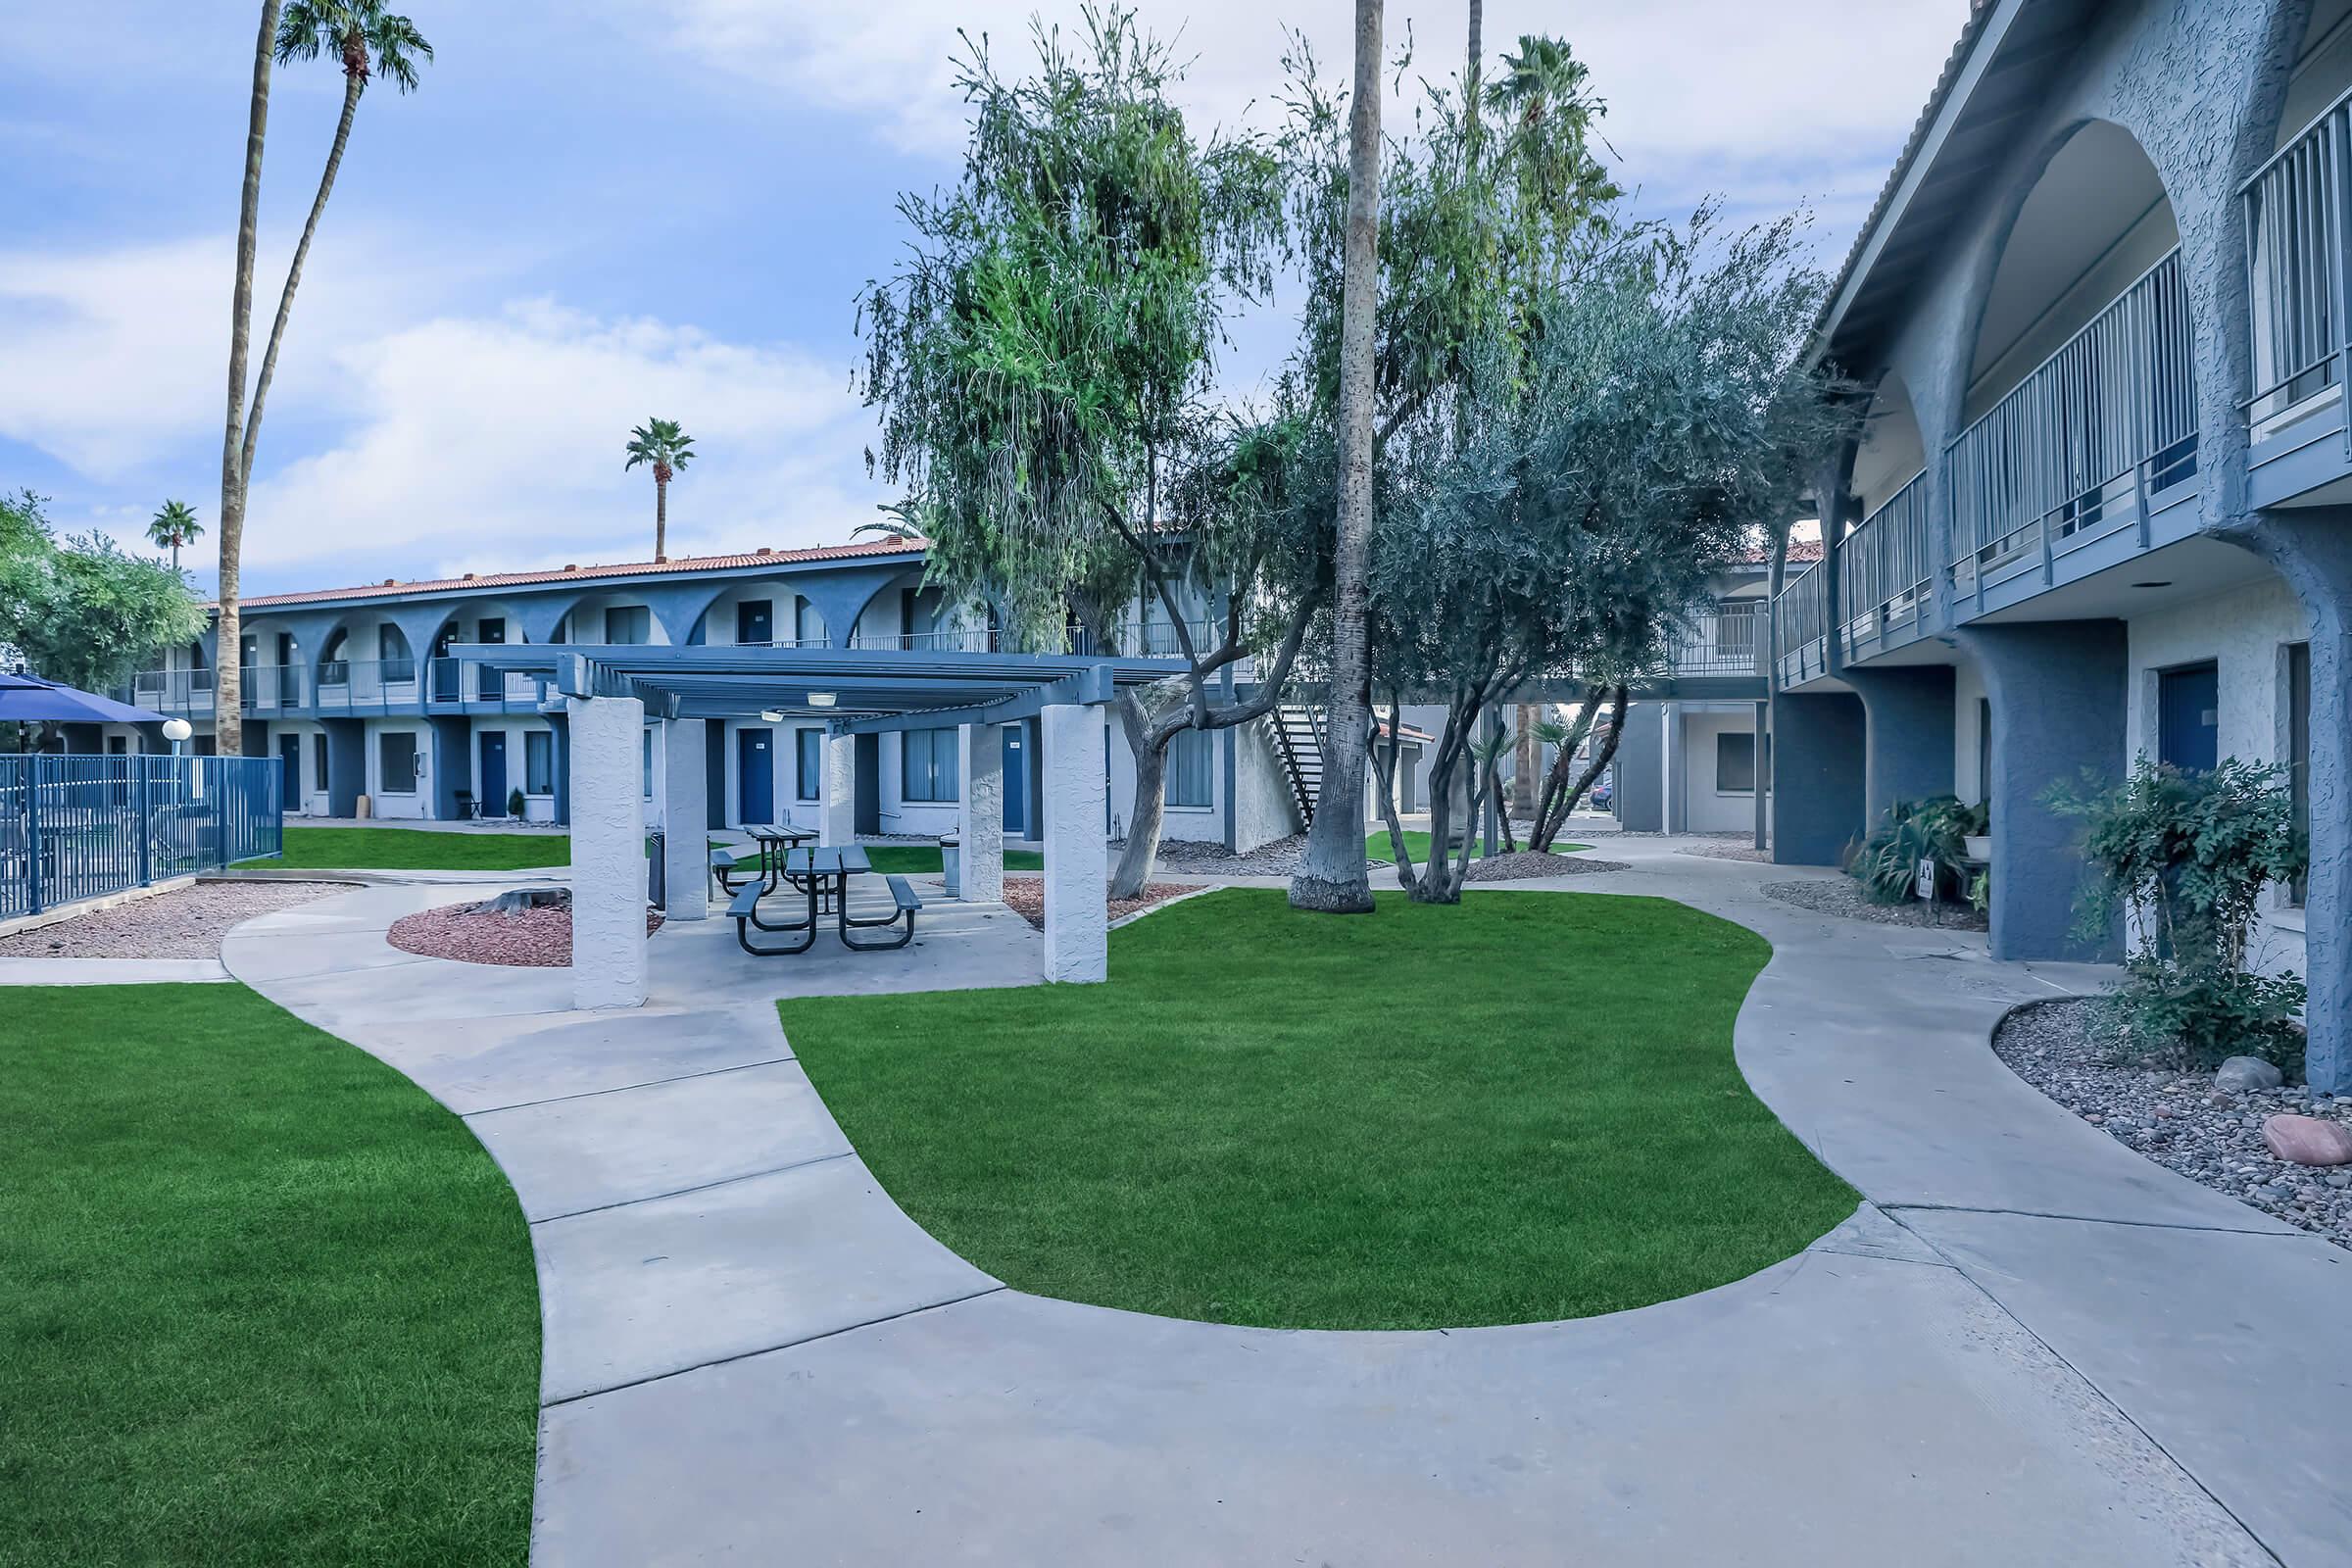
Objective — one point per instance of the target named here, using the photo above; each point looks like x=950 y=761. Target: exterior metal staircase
x=1298 y=738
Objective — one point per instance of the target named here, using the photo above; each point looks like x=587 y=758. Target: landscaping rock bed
x=1843 y=896
x=1521 y=865
x=1025 y=896
x=2182 y=1120
x=537 y=938
x=187 y=923
x=1718 y=849
x=1190 y=857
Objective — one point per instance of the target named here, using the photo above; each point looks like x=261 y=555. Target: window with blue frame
x=809 y=768
x=1189 y=756
x=539 y=763
x=927 y=769
x=648 y=764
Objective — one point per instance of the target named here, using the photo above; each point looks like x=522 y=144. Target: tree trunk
x=353 y=86
x=228 y=734
x=1564 y=804
x=1332 y=877
x=1151 y=800
x=660 y=518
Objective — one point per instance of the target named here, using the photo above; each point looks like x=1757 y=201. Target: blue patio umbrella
x=29 y=699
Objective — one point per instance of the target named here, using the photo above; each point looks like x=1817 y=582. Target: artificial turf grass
x=399 y=848
x=267 y=1302
x=1518 y=1109
x=1416 y=844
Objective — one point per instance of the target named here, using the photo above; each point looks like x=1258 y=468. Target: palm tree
x=661 y=443
x=1332 y=876
x=366 y=41
x=173 y=527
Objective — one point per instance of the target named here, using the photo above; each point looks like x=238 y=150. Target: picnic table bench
x=822 y=875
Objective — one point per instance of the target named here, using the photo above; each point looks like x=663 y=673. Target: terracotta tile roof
x=1798 y=550
x=683 y=566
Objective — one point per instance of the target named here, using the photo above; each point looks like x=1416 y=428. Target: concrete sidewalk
x=2029 y=1345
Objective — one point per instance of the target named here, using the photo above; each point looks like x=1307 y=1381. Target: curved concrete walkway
x=2029 y=1344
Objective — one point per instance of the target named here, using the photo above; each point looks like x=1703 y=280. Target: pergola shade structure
x=609 y=693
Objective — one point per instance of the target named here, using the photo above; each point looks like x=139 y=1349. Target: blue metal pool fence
x=75 y=827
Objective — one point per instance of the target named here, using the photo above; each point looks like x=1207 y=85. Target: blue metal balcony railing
x=1886 y=571
x=2077 y=450
x=2295 y=218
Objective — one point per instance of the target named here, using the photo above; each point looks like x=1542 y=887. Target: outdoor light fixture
x=770 y=716
x=820 y=699
x=176 y=729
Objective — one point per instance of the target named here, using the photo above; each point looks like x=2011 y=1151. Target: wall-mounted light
x=770 y=716
x=820 y=699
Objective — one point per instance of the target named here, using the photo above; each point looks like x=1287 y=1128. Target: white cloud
x=1698 y=89
x=492 y=443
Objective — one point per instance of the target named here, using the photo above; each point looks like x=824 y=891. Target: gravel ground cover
x=536 y=938
x=1843 y=896
x=1189 y=858
x=1025 y=896
x=1522 y=865
x=2180 y=1119
x=1720 y=850
x=185 y=924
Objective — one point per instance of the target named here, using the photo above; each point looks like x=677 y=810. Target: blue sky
x=597 y=209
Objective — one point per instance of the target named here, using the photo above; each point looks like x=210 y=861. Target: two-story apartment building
x=356 y=691
x=2100 y=509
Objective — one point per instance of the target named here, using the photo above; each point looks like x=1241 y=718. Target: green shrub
x=515 y=803
x=2186 y=855
x=1913 y=831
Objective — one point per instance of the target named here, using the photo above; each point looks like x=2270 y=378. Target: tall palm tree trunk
x=661 y=518
x=1331 y=878
x=228 y=734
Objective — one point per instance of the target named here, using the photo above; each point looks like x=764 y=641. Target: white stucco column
x=607 y=852
x=980 y=819
x=837 y=813
x=1077 y=860
x=685 y=813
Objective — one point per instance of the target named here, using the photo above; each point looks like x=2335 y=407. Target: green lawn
x=399 y=849
x=913 y=859
x=1416 y=844
x=265 y=1302
x=1517 y=1110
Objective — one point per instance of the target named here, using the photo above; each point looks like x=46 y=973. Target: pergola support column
x=980 y=819
x=837 y=813
x=685 y=782
x=1077 y=857
x=607 y=853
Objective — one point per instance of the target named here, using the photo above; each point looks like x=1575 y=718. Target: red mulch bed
x=1025 y=896
x=538 y=938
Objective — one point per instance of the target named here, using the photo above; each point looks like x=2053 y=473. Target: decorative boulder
x=2308 y=1139
x=519 y=901
x=2243 y=1075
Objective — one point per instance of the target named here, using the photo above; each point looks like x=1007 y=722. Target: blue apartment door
x=755 y=774
x=1016 y=780
x=494 y=773
x=289 y=764
x=2188 y=717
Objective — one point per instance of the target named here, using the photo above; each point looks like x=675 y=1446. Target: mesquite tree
x=1043 y=361
x=1656 y=412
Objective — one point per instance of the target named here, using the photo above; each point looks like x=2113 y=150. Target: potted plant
x=1975 y=839
x=514 y=804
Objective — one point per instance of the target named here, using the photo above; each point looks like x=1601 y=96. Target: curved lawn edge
x=282 y=1304
x=1212 y=1137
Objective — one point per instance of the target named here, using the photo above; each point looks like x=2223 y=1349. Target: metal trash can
x=657 y=870
x=950 y=860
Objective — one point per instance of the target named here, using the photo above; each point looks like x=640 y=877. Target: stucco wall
x=1706 y=808
x=2245 y=633
x=1969 y=757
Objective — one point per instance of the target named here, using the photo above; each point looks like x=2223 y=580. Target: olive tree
x=1043 y=359
x=1613 y=456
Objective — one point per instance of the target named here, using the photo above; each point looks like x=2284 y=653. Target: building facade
x=2098 y=508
